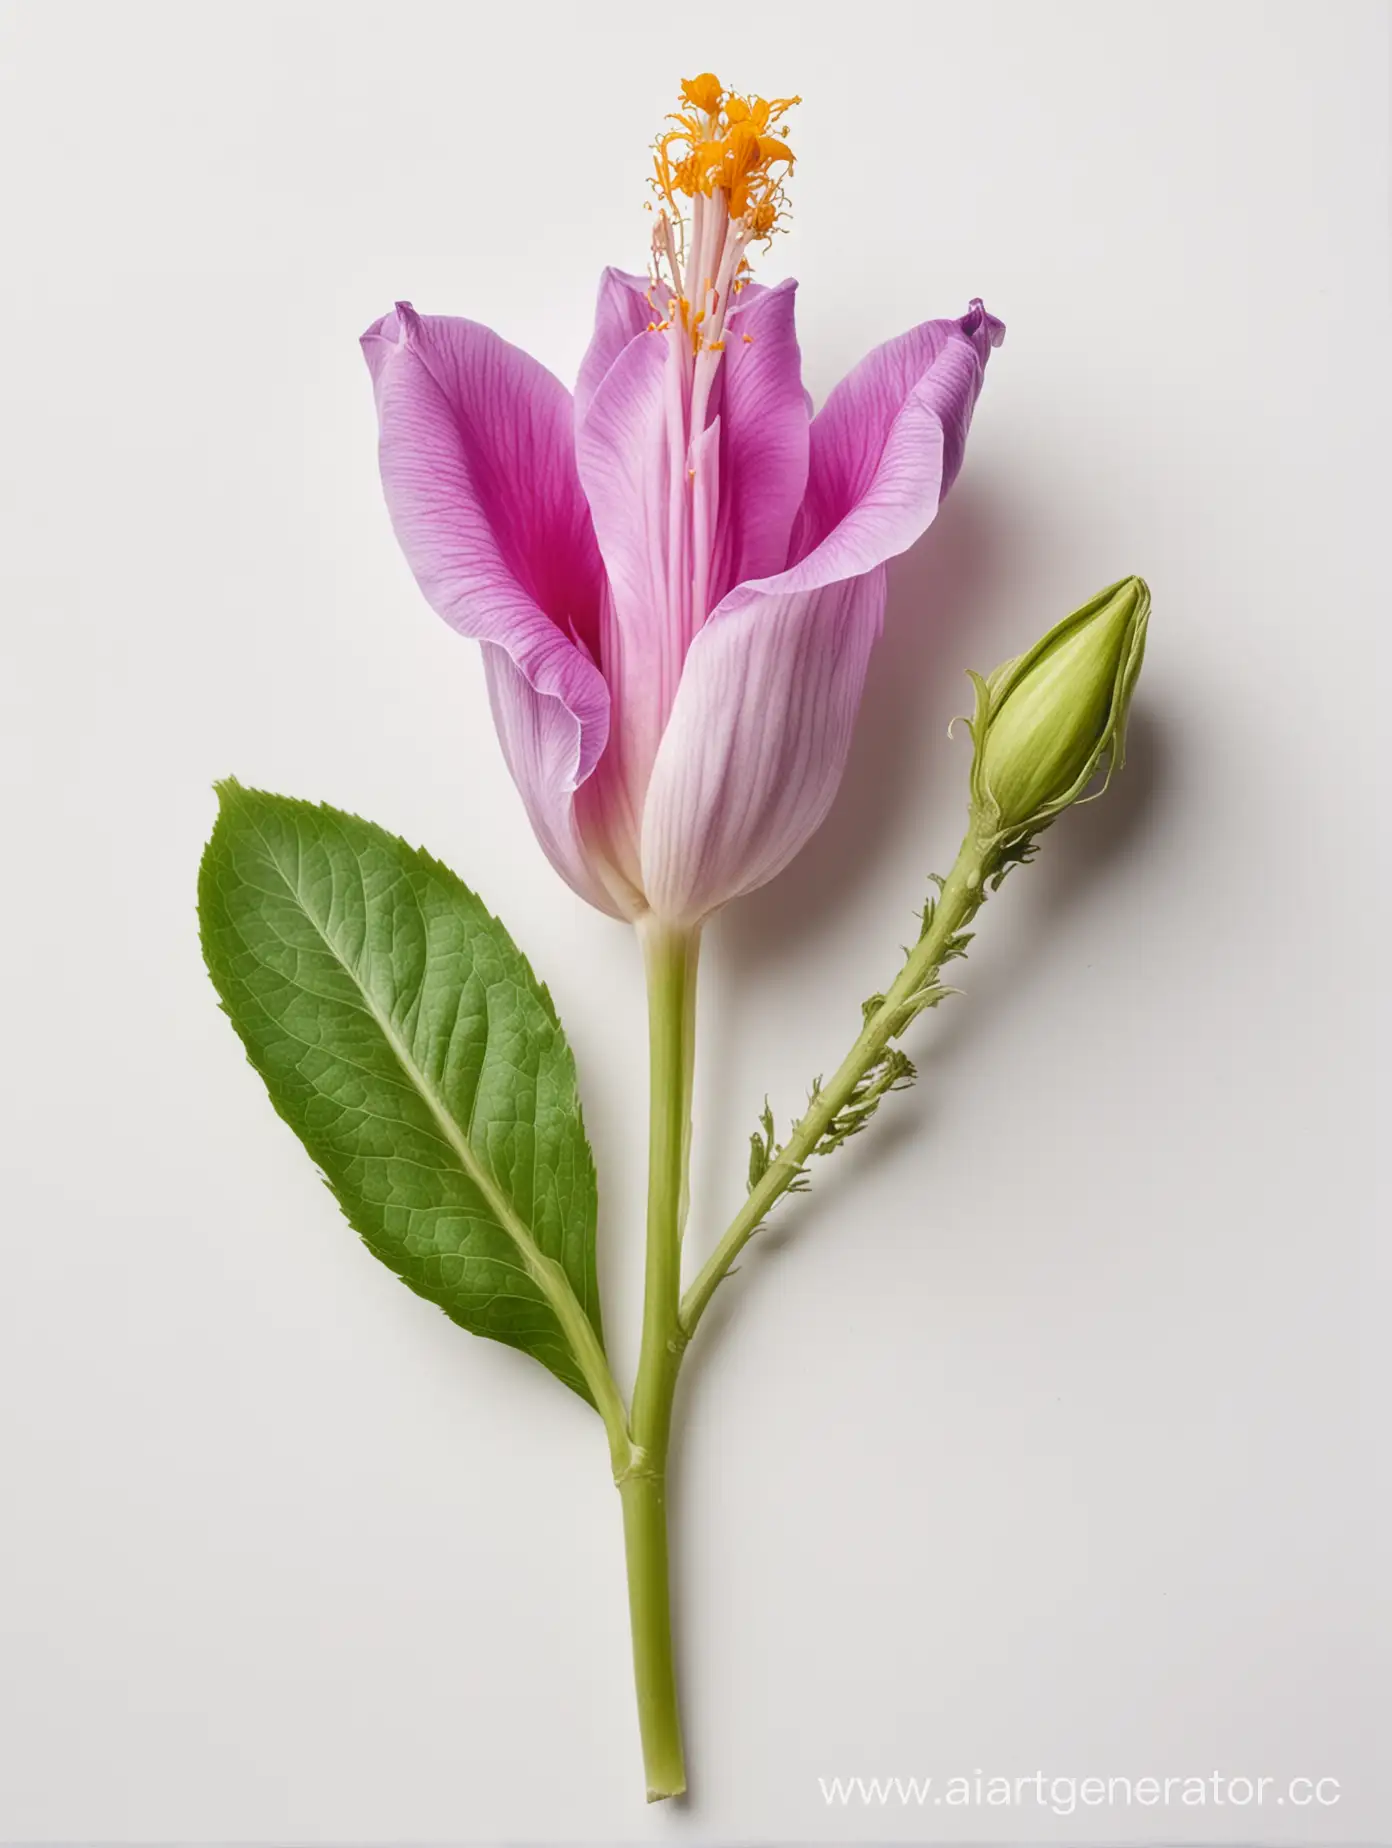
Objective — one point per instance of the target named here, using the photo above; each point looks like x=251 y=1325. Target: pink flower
x=679 y=573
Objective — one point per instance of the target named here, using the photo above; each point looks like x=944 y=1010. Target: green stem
x=958 y=901
x=670 y=958
x=644 y=1499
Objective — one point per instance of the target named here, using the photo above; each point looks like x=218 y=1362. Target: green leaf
x=403 y=1037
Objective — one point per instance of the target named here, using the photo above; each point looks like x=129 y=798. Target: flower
x=678 y=574
x=1045 y=721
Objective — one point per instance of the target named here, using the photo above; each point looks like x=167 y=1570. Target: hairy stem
x=670 y=959
x=957 y=903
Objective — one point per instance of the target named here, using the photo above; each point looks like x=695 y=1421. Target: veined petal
x=478 y=470
x=764 y=446
x=757 y=741
x=761 y=725
x=537 y=736
x=630 y=450
x=624 y=308
x=477 y=465
x=680 y=515
x=937 y=367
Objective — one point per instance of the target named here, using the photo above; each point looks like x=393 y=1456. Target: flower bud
x=1045 y=721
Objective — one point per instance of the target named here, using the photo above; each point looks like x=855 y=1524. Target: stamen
x=719 y=172
x=720 y=167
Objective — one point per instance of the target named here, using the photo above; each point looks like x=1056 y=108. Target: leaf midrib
x=497 y=1202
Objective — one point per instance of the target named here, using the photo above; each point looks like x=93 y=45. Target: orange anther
x=703 y=92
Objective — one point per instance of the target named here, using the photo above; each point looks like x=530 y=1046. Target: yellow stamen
x=702 y=92
x=719 y=173
x=723 y=142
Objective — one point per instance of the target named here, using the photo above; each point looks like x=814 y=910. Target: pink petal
x=761 y=724
x=764 y=451
x=938 y=366
x=478 y=470
x=757 y=742
x=678 y=520
x=632 y=464
x=623 y=309
x=537 y=736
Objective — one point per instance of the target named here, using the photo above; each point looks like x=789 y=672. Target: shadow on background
x=944 y=590
x=1085 y=846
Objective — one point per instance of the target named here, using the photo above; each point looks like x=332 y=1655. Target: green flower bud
x=1045 y=721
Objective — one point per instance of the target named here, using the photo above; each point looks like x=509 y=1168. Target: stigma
x=720 y=169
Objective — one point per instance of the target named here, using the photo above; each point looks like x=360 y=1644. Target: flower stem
x=670 y=958
x=959 y=900
x=659 y=1721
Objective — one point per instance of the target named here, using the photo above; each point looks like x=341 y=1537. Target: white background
x=1046 y=1434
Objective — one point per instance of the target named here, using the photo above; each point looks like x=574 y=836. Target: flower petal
x=764 y=445
x=631 y=456
x=478 y=470
x=761 y=724
x=537 y=736
x=938 y=366
x=477 y=465
x=757 y=741
x=679 y=522
x=624 y=308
